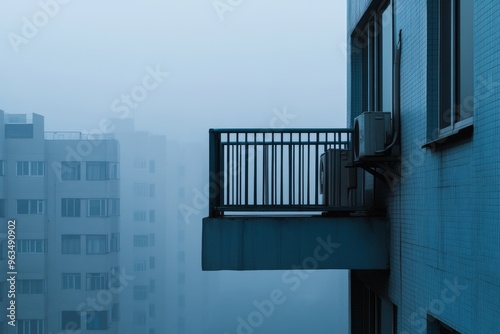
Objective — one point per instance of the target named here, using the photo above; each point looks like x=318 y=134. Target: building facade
x=443 y=206
x=143 y=228
x=63 y=192
x=84 y=262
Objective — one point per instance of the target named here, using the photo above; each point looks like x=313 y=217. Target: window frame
x=31 y=287
x=66 y=238
x=30 y=168
x=34 y=206
x=141 y=240
x=96 y=244
x=96 y=281
x=71 y=170
x=97 y=317
x=452 y=68
x=71 y=281
x=376 y=67
x=24 y=326
x=74 y=319
x=31 y=246
x=71 y=207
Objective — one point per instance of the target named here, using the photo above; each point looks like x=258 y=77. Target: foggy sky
x=230 y=73
x=278 y=63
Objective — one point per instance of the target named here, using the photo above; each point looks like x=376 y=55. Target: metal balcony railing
x=269 y=170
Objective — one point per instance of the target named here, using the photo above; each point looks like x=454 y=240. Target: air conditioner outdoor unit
x=336 y=180
x=372 y=133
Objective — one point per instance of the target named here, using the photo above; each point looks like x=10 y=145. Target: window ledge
x=457 y=135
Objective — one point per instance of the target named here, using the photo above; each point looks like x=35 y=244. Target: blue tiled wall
x=445 y=213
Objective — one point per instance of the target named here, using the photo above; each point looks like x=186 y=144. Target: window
x=97 y=244
x=114 y=243
x=152 y=190
x=152 y=310
x=3 y=248
x=115 y=312
x=141 y=190
x=436 y=326
x=140 y=241
x=140 y=215
x=140 y=163
x=114 y=207
x=30 y=206
x=151 y=239
x=140 y=318
x=70 y=207
x=103 y=207
x=152 y=262
x=141 y=292
x=2 y=168
x=115 y=277
x=31 y=246
x=96 y=170
x=70 y=320
x=70 y=170
x=456 y=77
x=97 y=208
x=70 y=244
x=140 y=266
x=152 y=216
x=19 y=131
x=113 y=171
x=152 y=286
x=31 y=286
x=97 y=281
x=30 y=327
x=102 y=170
x=71 y=281
x=30 y=168
x=2 y=208
x=152 y=166
x=374 y=42
x=97 y=320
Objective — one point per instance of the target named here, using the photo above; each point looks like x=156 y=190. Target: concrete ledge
x=268 y=243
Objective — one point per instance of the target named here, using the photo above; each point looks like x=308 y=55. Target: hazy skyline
x=181 y=67
x=231 y=73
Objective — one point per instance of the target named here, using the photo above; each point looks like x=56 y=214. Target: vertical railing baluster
x=290 y=173
x=281 y=164
x=264 y=170
x=299 y=181
x=308 y=168
x=255 y=174
x=246 y=168
x=272 y=168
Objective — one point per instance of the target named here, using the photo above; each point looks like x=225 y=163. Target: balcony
x=269 y=208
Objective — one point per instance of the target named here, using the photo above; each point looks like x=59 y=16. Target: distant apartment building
x=63 y=190
x=143 y=228
x=187 y=311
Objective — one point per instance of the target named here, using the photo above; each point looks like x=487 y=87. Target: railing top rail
x=282 y=130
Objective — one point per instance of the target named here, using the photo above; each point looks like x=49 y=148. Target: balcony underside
x=295 y=242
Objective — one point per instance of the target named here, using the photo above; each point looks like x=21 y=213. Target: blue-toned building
x=406 y=198
x=444 y=210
